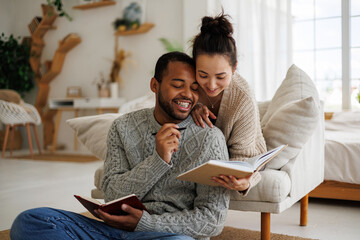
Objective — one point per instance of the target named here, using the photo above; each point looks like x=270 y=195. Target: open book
x=239 y=169
x=112 y=207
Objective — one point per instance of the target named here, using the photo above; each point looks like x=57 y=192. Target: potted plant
x=102 y=85
x=15 y=70
x=58 y=5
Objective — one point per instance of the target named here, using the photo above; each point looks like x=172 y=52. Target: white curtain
x=262 y=30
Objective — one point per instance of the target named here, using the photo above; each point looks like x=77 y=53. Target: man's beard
x=168 y=109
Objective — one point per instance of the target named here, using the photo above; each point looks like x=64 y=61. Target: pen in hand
x=183 y=128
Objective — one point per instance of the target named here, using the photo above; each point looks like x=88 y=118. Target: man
x=146 y=150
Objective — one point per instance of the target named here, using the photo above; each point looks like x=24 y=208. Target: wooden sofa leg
x=265 y=226
x=304 y=210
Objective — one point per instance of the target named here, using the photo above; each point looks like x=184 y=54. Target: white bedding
x=342 y=147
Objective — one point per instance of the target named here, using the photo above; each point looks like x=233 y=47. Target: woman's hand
x=233 y=183
x=201 y=113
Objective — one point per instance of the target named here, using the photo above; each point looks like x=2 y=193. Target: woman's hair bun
x=219 y=25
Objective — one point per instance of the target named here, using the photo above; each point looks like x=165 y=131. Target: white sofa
x=294 y=116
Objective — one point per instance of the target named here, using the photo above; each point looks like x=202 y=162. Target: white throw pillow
x=92 y=131
x=291 y=116
x=146 y=101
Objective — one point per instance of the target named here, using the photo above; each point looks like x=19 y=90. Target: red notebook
x=112 y=207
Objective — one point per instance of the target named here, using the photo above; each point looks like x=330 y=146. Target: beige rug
x=229 y=233
x=57 y=157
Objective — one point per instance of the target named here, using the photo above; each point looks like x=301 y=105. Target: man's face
x=177 y=93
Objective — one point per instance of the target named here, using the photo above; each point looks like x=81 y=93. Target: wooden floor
x=53 y=184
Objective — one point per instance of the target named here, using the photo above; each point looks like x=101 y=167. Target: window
x=326 y=45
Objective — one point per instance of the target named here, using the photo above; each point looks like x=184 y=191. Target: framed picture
x=73 y=92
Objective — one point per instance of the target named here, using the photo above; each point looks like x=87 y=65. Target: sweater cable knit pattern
x=132 y=165
x=239 y=120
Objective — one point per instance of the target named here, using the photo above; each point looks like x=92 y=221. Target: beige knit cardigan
x=239 y=120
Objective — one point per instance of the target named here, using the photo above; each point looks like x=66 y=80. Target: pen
x=183 y=128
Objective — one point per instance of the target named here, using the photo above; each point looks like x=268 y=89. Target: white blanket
x=342 y=147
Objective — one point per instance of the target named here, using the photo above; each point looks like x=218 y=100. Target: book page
x=203 y=174
x=239 y=165
x=91 y=200
x=119 y=199
x=268 y=156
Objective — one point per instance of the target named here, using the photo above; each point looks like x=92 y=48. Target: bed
x=342 y=157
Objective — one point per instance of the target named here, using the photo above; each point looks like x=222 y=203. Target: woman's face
x=213 y=73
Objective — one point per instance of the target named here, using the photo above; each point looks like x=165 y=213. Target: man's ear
x=154 y=85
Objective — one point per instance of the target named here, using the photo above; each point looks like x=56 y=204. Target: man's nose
x=187 y=93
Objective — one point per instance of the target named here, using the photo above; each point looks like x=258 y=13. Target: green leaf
x=171 y=46
x=15 y=70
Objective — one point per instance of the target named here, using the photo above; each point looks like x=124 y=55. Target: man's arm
x=208 y=215
x=119 y=178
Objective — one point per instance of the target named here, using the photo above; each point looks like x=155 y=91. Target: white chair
x=14 y=115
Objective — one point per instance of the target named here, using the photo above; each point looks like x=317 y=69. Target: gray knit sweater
x=132 y=165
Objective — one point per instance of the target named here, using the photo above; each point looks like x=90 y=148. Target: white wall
x=5 y=21
x=176 y=20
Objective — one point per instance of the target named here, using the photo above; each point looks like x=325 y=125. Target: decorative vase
x=104 y=92
x=114 y=89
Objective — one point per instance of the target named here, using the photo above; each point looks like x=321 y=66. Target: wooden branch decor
x=38 y=28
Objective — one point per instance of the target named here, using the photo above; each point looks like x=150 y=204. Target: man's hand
x=167 y=141
x=127 y=222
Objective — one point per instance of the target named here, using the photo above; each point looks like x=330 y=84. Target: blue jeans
x=53 y=224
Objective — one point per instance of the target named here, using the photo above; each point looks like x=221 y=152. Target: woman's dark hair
x=215 y=37
x=163 y=61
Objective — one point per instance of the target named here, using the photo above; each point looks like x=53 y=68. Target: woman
x=226 y=99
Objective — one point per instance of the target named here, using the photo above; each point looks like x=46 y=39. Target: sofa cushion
x=274 y=187
x=92 y=131
x=291 y=116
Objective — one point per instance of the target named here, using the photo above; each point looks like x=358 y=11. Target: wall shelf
x=145 y=27
x=94 y=5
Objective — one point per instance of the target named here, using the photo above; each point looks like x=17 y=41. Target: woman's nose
x=212 y=84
